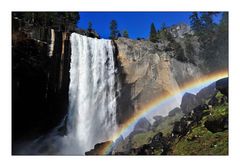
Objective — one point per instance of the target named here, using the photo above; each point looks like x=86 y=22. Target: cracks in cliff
x=124 y=103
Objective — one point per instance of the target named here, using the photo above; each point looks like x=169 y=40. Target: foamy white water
x=92 y=94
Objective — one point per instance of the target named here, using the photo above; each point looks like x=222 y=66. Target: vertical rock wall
x=40 y=80
x=149 y=71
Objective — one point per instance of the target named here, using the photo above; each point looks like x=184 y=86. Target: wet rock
x=40 y=82
x=98 y=148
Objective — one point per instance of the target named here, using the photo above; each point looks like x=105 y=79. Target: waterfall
x=92 y=93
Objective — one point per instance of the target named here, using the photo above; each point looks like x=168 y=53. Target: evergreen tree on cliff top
x=213 y=39
x=113 y=30
x=61 y=21
x=90 y=26
x=153 y=34
x=125 y=34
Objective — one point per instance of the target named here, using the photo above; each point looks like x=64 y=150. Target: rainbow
x=151 y=106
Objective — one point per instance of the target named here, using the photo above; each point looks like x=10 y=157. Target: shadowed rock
x=174 y=112
x=222 y=86
x=189 y=101
x=143 y=125
x=98 y=148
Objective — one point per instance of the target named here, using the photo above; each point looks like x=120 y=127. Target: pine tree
x=125 y=34
x=196 y=23
x=113 y=30
x=89 y=25
x=162 y=33
x=153 y=34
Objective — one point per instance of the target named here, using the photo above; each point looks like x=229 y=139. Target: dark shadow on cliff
x=124 y=102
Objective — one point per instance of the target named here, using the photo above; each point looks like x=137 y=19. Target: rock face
x=222 y=86
x=189 y=101
x=205 y=125
x=40 y=80
x=97 y=150
x=206 y=93
x=180 y=30
x=174 y=112
x=143 y=125
x=149 y=71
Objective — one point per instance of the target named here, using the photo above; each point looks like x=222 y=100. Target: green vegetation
x=201 y=141
x=89 y=25
x=162 y=34
x=142 y=138
x=153 y=34
x=62 y=21
x=125 y=34
x=114 y=33
x=213 y=39
x=179 y=52
x=165 y=127
x=189 y=50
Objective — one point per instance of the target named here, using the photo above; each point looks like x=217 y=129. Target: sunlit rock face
x=150 y=71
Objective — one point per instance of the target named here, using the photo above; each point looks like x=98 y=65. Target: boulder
x=158 y=146
x=197 y=113
x=189 y=102
x=180 y=128
x=216 y=124
x=222 y=86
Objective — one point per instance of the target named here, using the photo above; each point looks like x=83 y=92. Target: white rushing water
x=92 y=94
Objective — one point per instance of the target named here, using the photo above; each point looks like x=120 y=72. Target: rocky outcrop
x=173 y=112
x=222 y=86
x=40 y=72
x=97 y=150
x=149 y=71
x=157 y=120
x=216 y=124
x=180 y=30
x=143 y=125
x=206 y=124
x=189 y=101
x=158 y=146
x=206 y=93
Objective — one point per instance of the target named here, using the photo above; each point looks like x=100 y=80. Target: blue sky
x=137 y=23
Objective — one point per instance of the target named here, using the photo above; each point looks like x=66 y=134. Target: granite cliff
x=148 y=71
x=40 y=70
